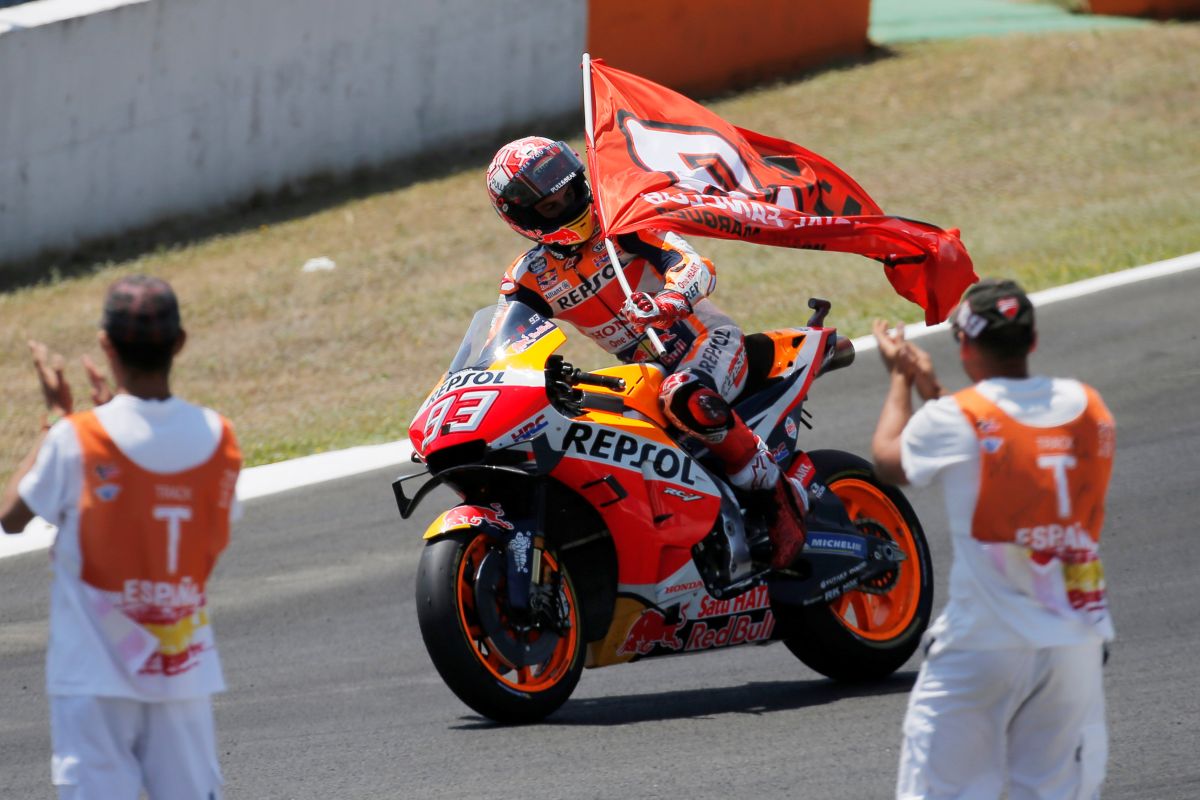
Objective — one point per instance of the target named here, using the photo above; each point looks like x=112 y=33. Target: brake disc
x=520 y=647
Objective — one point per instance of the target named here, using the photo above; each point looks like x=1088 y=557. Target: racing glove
x=660 y=310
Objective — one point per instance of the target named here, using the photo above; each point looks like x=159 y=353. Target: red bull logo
x=649 y=631
x=474 y=516
x=738 y=630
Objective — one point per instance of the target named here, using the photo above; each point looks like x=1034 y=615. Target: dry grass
x=1059 y=157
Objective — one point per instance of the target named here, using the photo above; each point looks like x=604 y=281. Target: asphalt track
x=333 y=696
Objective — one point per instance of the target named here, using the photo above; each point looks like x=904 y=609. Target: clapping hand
x=56 y=392
x=101 y=390
x=905 y=358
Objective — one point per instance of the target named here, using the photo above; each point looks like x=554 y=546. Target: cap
x=994 y=306
x=139 y=309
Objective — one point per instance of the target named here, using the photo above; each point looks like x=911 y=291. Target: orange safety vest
x=1044 y=488
x=150 y=540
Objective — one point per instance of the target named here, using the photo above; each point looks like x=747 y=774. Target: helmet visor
x=542 y=177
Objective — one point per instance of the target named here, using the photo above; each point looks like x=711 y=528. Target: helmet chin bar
x=575 y=232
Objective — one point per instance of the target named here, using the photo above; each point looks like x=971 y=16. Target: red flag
x=659 y=160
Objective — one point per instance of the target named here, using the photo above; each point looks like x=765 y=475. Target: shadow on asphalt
x=752 y=698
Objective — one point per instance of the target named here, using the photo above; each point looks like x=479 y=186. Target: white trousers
x=108 y=748
x=979 y=721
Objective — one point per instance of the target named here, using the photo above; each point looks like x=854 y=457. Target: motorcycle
x=589 y=533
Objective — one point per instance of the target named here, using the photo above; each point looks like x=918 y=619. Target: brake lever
x=602 y=402
x=558 y=386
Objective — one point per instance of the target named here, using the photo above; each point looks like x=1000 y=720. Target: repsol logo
x=589 y=287
x=609 y=445
x=710 y=357
x=469 y=378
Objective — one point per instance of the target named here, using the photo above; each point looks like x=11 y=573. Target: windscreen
x=511 y=326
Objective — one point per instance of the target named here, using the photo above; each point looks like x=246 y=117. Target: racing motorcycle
x=590 y=534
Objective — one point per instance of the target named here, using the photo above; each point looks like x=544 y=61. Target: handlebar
x=562 y=378
x=558 y=371
x=592 y=379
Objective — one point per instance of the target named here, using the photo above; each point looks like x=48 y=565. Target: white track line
x=1071 y=291
x=283 y=476
x=257 y=482
x=270 y=479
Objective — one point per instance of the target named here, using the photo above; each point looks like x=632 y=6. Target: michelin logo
x=836 y=543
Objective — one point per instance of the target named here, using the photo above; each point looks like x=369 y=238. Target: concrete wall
x=115 y=113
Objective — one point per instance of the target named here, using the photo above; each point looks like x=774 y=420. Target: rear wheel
x=510 y=665
x=869 y=634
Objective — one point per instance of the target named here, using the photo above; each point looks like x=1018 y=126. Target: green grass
x=1059 y=156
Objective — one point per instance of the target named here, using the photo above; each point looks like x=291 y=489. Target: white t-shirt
x=79 y=658
x=987 y=610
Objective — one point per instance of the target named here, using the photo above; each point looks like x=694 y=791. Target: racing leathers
x=705 y=355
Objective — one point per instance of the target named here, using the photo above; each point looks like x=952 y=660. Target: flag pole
x=591 y=149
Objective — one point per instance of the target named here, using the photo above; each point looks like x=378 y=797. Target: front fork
x=527 y=587
x=523 y=556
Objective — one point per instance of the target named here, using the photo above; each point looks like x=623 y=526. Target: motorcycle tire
x=466 y=645
x=868 y=635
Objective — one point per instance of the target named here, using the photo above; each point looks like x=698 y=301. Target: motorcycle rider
x=538 y=187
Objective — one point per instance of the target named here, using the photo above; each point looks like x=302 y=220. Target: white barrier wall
x=144 y=109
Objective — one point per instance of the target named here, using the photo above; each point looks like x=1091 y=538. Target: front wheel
x=868 y=634
x=511 y=666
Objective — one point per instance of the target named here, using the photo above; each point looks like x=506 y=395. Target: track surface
x=333 y=696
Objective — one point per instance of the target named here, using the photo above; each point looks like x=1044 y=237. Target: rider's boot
x=788 y=530
x=781 y=500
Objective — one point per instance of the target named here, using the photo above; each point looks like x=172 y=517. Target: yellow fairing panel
x=604 y=652
x=642 y=383
x=533 y=357
x=638 y=427
x=441 y=525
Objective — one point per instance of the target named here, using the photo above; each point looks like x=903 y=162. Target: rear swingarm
x=839 y=556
